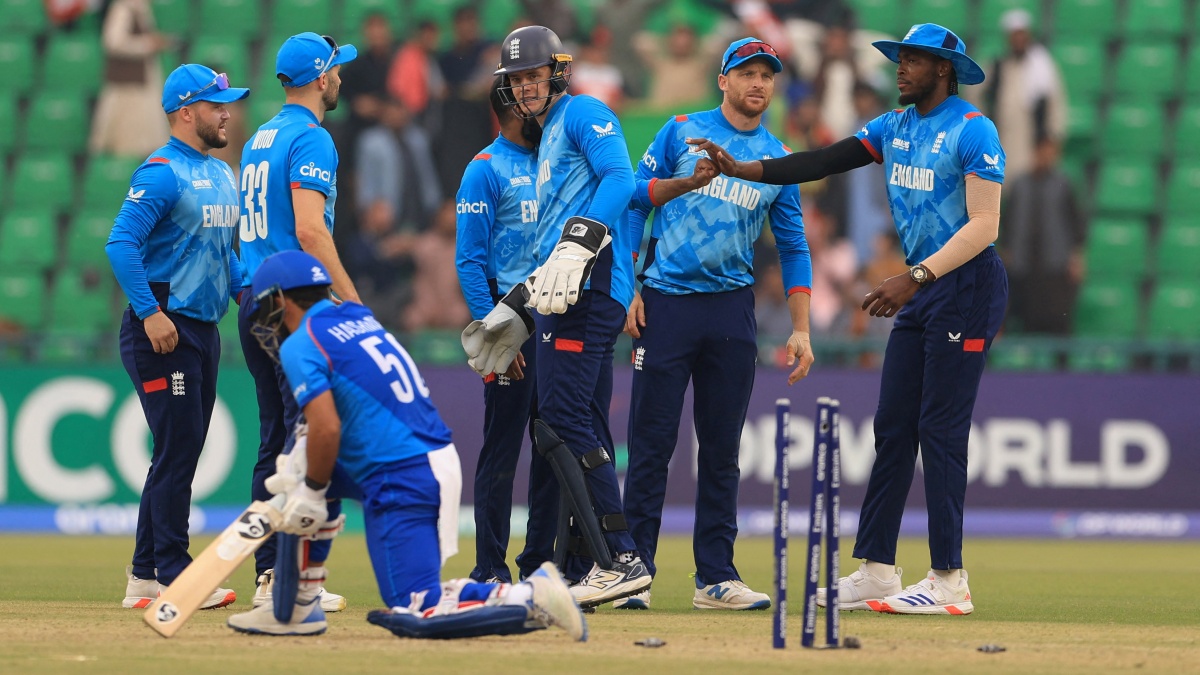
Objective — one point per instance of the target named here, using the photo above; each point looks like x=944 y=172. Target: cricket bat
x=214 y=565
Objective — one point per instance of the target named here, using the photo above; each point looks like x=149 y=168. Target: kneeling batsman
x=493 y=342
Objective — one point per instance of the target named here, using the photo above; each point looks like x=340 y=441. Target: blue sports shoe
x=306 y=620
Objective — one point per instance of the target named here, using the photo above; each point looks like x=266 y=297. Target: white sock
x=881 y=571
x=949 y=576
x=518 y=594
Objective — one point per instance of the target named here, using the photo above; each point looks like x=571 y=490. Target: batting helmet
x=528 y=48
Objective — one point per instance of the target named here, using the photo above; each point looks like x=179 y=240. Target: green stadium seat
x=953 y=14
x=17 y=56
x=42 y=180
x=1079 y=18
x=1154 y=17
x=1107 y=309
x=82 y=302
x=86 y=236
x=1186 y=137
x=57 y=121
x=1133 y=128
x=1191 y=71
x=640 y=129
x=701 y=16
x=224 y=54
x=497 y=17
x=1101 y=356
x=73 y=62
x=354 y=11
x=1082 y=64
x=28 y=240
x=174 y=17
x=1178 y=251
x=8 y=125
x=1183 y=187
x=1127 y=185
x=1174 y=310
x=106 y=181
x=231 y=18
x=24 y=17
x=1117 y=249
x=441 y=11
x=24 y=296
x=885 y=16
x=1147 y=69
x=289 y=17
x=1083 y=119
x=990 y=12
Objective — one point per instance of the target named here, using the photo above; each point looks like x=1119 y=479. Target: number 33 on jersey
x=291 y=151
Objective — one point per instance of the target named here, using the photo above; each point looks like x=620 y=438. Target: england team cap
x=305 y=57
x=193 y=82
x=741 y=51
x=939 y=41
x=286 y=270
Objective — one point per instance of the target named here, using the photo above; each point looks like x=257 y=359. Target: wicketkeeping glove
x=305 y=511
x=493 y=343
x=558 y=283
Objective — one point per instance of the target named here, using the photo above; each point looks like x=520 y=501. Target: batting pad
x=497 y=620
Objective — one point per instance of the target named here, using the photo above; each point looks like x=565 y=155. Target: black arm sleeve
x=802 y=167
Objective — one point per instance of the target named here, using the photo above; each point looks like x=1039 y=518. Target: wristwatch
x=920 y=274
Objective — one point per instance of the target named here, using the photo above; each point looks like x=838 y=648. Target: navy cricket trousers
x=510 y=406
x=177 y=391
x=931 y=372
x=574 y=386
x=710 y=340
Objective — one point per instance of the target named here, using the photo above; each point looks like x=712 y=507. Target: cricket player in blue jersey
x=288 y=189
x=694 y=319
x=374 y=435
x=171 y=250
x=580 y=293
x=497 y=226
x=945 y=167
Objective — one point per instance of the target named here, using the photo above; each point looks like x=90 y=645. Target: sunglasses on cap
x=221 y=83
x=749 y=49
x=332 y=55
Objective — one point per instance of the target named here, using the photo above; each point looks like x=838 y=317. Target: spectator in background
x=415 y=78
x=885 y=261
x=866 y=204
x=834 y=82
x=557 y=15
x=834 y=271
x=1024 y=96
x=623 y=19
x=395 y=167
x=771 y=312
x=128 y=120
x=364 y=80
x=466 y=117
x=677 y=66
x=437 y=300
x=1041 y=241
x=593 y=75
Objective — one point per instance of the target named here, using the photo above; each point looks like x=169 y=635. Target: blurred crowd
x=417 y=112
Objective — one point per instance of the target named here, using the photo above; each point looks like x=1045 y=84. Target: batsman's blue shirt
x=292 y=150
x=176 y=227
x=497 y=222
x=380 y=396
x=927 y=159
x=703 y=241
x=584 y=170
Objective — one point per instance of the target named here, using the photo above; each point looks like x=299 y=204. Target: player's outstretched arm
x=798 y=167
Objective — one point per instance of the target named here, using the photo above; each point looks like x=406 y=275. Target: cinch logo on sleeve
x=311 y=170
x=912 y=177
x=649 y=161
x=471 y=207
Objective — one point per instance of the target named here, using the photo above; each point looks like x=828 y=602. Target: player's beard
x=742 y=107
x=211 y=135
x=329 y=98
x=917 y=92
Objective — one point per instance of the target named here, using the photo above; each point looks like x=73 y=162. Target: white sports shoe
x=601 y=586
x=141 y=593
x=635 y=601
x=552 y=603
x=306 y=620
x=931 y=595
x=732 y=594
x=860 y=588
x=330 y=602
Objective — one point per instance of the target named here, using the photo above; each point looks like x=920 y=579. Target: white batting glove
x=492 y=343
x=305 y=511
x=290 y=469
x=558 y=283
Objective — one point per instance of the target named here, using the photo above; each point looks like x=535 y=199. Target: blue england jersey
x=176 y=228
x=380 y=397
x=927 y=159
x=584 y=170
x=290 y=151
x=703 y=241
x=497 y=223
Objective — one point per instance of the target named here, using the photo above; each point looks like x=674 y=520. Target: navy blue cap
x=932 y=38
x=765 y=51
x=193 y=82
x=307 y=56
x=286 y=270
